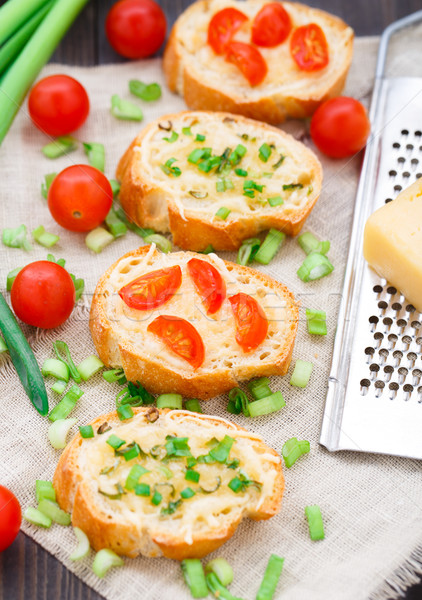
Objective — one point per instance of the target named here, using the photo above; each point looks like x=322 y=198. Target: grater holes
x=396 y=306
x=405 y=174
x=392 y=339
x=402 y=371
x=397 y=355
x=417 y=374
x=387 y=200
x=391 y=290
x=377 y=289
x=409 y=146
x=379 y=387
x=392 y=173
x=364 y=385
x=398 y=188
x=388 y=370
x=405 y=132
x=418 y=133
x=401 y=160
x=410 y=308
x=396 y=145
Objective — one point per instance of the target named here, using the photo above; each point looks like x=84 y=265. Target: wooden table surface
x=27 y=571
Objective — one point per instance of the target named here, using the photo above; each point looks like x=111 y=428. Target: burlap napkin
x=371 y=504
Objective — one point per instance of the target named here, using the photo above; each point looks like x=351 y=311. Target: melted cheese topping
x=198 y=513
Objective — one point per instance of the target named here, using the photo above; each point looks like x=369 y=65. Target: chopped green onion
x=115 y=442
x=56 y=368
x=36 y=517
x=186 y=131
x=98 y=239
x=301 y=373
x=192 y=475
x=168 y=474
x=86 y=431
x=316 y=321
x=115 y=187
x=218 y=589
x=208 y=250
x=265 y=152
x=222 y=569
x=292 y=186
x=267 y=175
x=267 y=405
x=279 y=162
x=124 y=412
x=238 y=402
x=3 y=346
x=11 y=276
x=44 y=490
x=125 y=110
x=169 y=170
x=104 y=560
x=191 y=461
x=193 y=574
x=271 y=577
x=145 y=91
x=212 y=490
x=240 y=150
x=160 y=241
x=173 y=401
x=53 y=511
x=248 y=250
x=221 y=451
x=16 y=238
x=293 y=449
x=200 y=137
x=62 y=347
x=96 y=154
x=259 y=388
x=83 y=547
x=59 y=147
x=66 y=404
x=250 y=186
x=114 y=375
x=89 y=367
x=48 y=180
x=44 y=238
x=193 y=405
x=223 y=213
x=116 y=226
x=187 y=493
x=174 y=136
x=59 y=387
x=199 y=153
x=241 y=172
x=58 y=431
x=309 y=243
x=198 y=195
x=275 y=201
x=270 y=246
x=156 y=499
x=209 y=163
x=117 y=495
x=142 y=489
x=315 y=523
x=134 y=475
x=236 y=485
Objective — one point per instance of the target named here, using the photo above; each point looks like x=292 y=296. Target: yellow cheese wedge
x=393 y=243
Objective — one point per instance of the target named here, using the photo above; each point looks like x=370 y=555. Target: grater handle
x=385 y=39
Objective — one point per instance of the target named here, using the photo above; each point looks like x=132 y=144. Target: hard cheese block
x=393 y=243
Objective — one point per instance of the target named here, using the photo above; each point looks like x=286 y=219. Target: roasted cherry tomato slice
x=249 y=61
x=208 y=283
x=251 y=322
x=223 y=26
x=181 y=337
x=271 y=25
x=153 y=289
x=309 y=48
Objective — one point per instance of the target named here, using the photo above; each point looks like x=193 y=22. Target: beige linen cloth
x=372 y=505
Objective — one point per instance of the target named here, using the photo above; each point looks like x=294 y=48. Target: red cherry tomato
x=223 y=26
x=153 y=289
x=80 y=198
x=249 y=61
x=271 y=26
x=43 y=294
x=58 y=105
x=208 y=283
x=340 y=127
x=251 y=322
x=136 y=28
x=10 y=518
x=309 y=48
x=181 y=337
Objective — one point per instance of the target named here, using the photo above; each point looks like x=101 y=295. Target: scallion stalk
x=45 y=186
x=315 y=523
x=135 y=474
x=115 y=187
x=270 y=246
x=116 y=226
x=115 y=375
x=160 y=241
x=144 y=91
x=14 y=14
x=267 y=405
x=193 y=405
x=221 y=451
x=125 y=110
x=238 y=402
x=98 y=239
x=271 y=576
x=53 y=511
x=55 y=368
x=259 y=388
x=44 y=490
x=104 y=560
x=61 y=348
x=124 y=412
x=222 y=569
x=301 y=373
x=36 y=517
x=59 y=387
x=218 y=589
x=248 y=250
x=3 y=347
x=89 y=367
x=223 y=213
x=314 y=267
x=66 y=404
x=15 y=237
x=83 y=547
x=194 y=577
x=316 y=322
x=11 y=276
x=86 y=431
x=44 y=238
x=58 y=431
x=96 y=154
x=59 y=147
x=293 y=449
x=172 y=401
x=309 y=243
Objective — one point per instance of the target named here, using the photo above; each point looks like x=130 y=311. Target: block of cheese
x=393 y=243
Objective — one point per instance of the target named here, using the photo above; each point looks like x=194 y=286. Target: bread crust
x=270 y=107
x=74 y=494
x=160 y=379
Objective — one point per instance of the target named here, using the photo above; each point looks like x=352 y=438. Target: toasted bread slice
x=91 y=481
x=186 y=201
x=208 y=82
x=122 y=339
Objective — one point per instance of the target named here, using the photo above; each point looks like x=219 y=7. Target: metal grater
x=374 y=398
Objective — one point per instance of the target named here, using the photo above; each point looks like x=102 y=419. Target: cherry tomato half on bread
x=43 y=294
x=340 y=127
x=249 y=61
x=271 y=26
x=10 y=518
x=80 y=198
x=309 y=47
x=251 y=322
x=208 y=283
x=153 y=289
x=181 y=337
x=58 y=105
x=136 y=28
x=223 y=26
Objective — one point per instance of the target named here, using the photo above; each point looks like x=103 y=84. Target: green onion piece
x=200 y=137
x=240 y=150
x=168 y=474
x=223 y=213
x=16 y=238
x=48 y=180
x=211 y=490
x=3 y=347
x=156 y=499
x=316 y=526
x=79 y=286
x=142 y=489
x=173 y=401
x=222 y=569
x=279 y=162
x=145 y=91
x=160 y=241
x=124 y=412
x=193 y=405
x=59 y=147
x=292 y=186
x=86 y=431
x=118 y=493
x=89 y=367
x=134 y=475
x=221 y=451
x=115 y=375
x=44 y=238
x=218 y=589
x=36 y=517
x=241 y=172
x=98 y=239
x=125 y=110
x=260 y=388
x=53 y=511
x=56 y=368
x=187 y=493
x=177 y=446
x=96 y=154
x=44 y=490
x=268 y=405
x=59 y=387
x=248 y=250
x=270 y=246
x=267 y=175
x=115 y=187
x=104 y=560
x=275 y=201
x=58 y=431
x=293 y=449
x=193 y=574
x=66 y=404
x=309 y=243
x=62 y=348
x=316 y=321
x=265 y=152
x=11 y=276
x=271 y=577
x=238 y=402
x=83 y=547
x=191 y=461
x=174 y=136
x=186 y=131
x=116 y=226
x=301 y=373
x=192 y=475
x=249 y=188
x=199 y=154
x=115 y=442
x=236 y=485
x=138 y=230
x=169 y=170
x=208 y=250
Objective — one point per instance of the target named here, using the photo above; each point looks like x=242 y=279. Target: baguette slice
x=132 y=524
x=208 y=82
x=186 y=203
x=122 y=340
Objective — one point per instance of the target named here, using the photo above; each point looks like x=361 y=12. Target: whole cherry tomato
x=181 y=337
x=208 y=283
x=223 y=26
x=271 y=26
x=250 y=319
x=10 y=518
x=249 y=61
x=153 y=289
x=309 y=48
